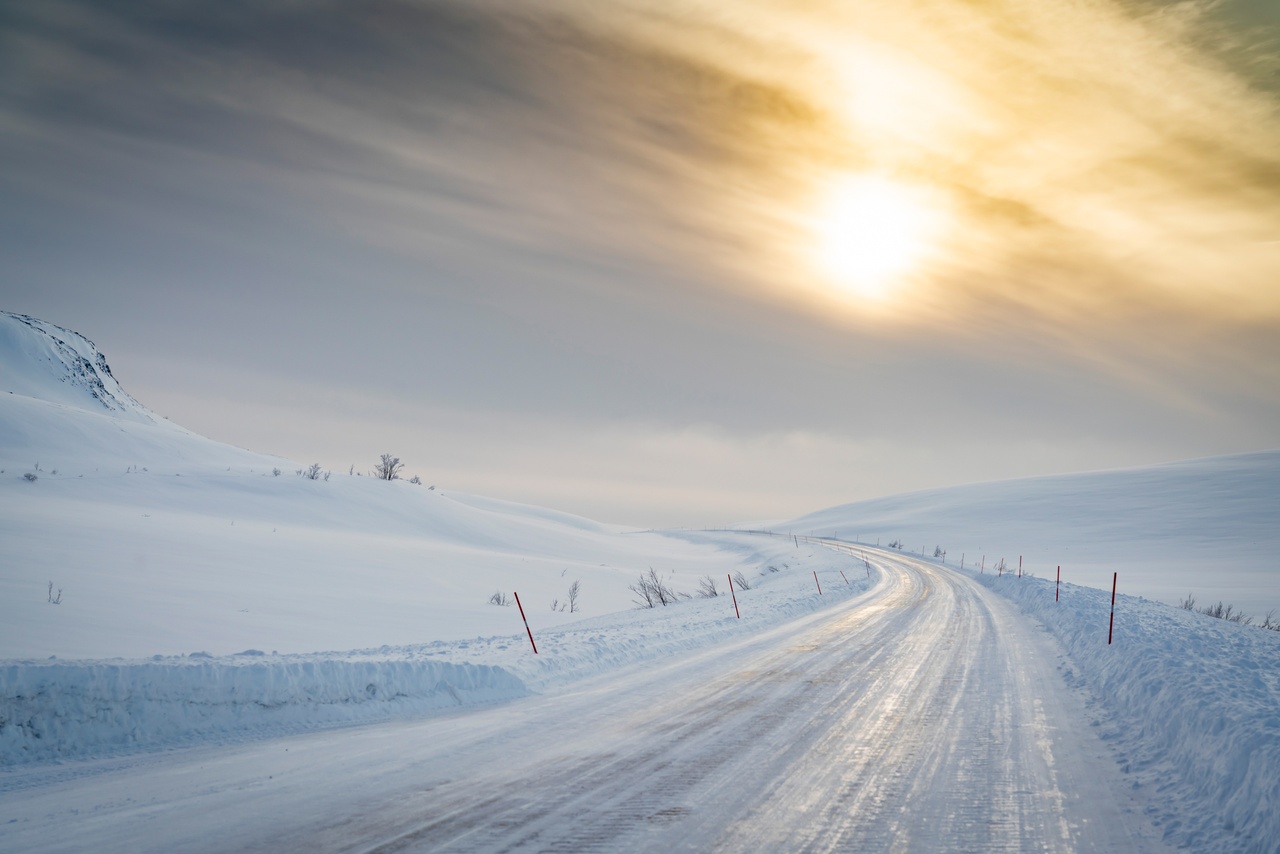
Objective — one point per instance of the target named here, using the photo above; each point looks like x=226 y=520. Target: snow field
x=61 y=710
x=1195 y=703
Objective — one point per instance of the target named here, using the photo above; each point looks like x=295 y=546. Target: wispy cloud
x=611 y=209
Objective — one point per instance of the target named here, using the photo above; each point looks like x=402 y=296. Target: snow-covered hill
x=1208 y=527
x=56 y=365
x=164 y=542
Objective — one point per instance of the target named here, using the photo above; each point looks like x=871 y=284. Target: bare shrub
x=651 y=591
x=1226 y=612
x=55 y=599
x=416 y=480
x=499 y=598
x=275 y=472
x=388 y=468
x=741 y=580
x=1229 y=613
x=31 y=477
x=707 y=587
x=312 y=472
x=574 y=590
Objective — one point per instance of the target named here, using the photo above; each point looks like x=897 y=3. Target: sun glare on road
x=871 y=232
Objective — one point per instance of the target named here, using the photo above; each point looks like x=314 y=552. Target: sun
x=871 y=232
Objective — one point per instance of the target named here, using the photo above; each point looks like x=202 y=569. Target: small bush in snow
x=55 y=599
x=707 y=587
x=31 y=477
x=1229 y=613
x=416 y=480
x=312 y=472
x=499 y=598
x=741 y=580
x=651 y=591
x=1226 y=612
x=275 y=472
x=388 y=468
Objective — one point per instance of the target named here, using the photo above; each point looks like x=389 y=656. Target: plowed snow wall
x=63 y=710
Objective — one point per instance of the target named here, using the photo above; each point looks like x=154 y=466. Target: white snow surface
x=199 y=589
x=1207 y=527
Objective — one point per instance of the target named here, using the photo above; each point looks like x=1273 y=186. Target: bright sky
x=662 y=263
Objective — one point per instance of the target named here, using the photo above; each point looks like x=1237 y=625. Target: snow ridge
x=60 y=711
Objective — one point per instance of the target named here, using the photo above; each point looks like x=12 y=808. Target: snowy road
x=925 y=715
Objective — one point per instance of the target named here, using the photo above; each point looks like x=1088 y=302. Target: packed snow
x=163 y=590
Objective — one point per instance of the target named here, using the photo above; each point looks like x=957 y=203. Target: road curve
x=925 y=715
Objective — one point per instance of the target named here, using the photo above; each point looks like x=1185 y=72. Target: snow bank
x=58 y=711
x=1195 y=703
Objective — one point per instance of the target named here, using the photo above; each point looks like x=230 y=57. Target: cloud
x=607 y=211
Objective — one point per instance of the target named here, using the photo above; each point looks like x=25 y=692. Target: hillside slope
x=1209 y=527
x=164 y=542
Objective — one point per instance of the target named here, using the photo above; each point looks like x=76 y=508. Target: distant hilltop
x=53 y=364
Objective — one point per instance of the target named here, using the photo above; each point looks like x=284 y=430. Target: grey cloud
x=509 y=211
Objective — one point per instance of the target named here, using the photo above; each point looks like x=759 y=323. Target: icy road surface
x=926 y=715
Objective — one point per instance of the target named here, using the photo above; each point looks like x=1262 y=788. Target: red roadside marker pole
x=734 y=595
x=1112 y=625
x=526 y=624
x=815 y=581
x=1057 y=583
x=1019 y=566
